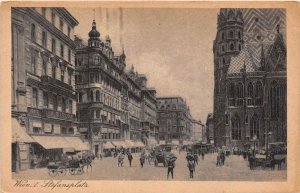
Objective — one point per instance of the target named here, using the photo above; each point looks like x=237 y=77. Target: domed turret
x=94 y=40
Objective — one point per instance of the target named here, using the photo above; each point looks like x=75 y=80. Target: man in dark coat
x=130 y=158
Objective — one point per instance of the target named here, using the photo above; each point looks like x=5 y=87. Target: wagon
x=160 y=157
x=61 y=168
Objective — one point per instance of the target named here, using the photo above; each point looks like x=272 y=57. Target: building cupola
x=94 y=36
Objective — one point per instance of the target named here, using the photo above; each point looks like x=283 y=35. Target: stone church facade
x=250 y=77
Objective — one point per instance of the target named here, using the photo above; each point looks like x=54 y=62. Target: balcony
x=52 y=114
x=33 y=112
x=47 y=80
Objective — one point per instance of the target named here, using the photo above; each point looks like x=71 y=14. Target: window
x=250 y=93
x=223 y=48
x=235 y=128
x=223 y=35
x=61 y=24
x=69 y=31
x=62 y=75
x=224 y=61
x=79 y=61
x=240 y=35
x=53 y=18
x=63 y=104
x=63 y=130
x=92 y=96
x=70 y=106
x=92 y=77
x=231 y=94
x=240 y=47
x=274 y=99
x=240 y=94
x=79 y=78
x=37 y=130
x=98 y=114
x=231 y=34
x=231 y=47
x=174 y=107
x=80 y=97
x=97 y=60
x=53 y=45
x=53 y=72
x=98 y=96
x=69 y=55
x=45 y=99
x=33 y=62
x=62 y=50
x=168 y=107
x=55 y=102
x=44 y=39
x=44 y=67
x=258 y=94
x=33 y=32
x=254 y=127
x=226 y=119
x=70 y=78
x=71 y=131
x=34 y=97
x=44 y=12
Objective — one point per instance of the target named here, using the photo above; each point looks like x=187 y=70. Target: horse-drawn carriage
x=266 y=161
x=160 y=157
x=60 y=168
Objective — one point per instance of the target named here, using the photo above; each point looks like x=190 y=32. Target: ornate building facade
x=174 y=120
x=250 y=77
x=43 y=95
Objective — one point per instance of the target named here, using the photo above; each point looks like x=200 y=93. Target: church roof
x=250 y=56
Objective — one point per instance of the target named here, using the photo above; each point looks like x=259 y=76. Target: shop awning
x=77 y=143
x=118 y=143
x=108 y=145
x=161 y=142
x=129 y=144
x=19 y=133
x=52 y=142
x=139 y=144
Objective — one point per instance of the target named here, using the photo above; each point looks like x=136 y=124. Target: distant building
x=250 y=92
x=43 y=96
x=198 y=131
x=174 y=119
x=210 y=128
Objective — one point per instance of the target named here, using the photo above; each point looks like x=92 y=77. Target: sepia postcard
x=150 y=97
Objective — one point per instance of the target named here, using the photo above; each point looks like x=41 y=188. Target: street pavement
x=235 y=169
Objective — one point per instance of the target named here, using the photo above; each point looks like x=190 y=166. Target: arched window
x=236 y=128
x=231 y=34
x=80 y=97
x=240 y=94
x=231 y=47
x=274 y=99
x=92 y=96
x=33 y=34
x=250 y=97
x=97 y=60
x=223 y=48
x=98 y=96
x=162 y=107
x=223 y=35
x=168 y=107
x=258 y=94
x=240 y=47
x=231 y=94
x=98 y=114
x=240 y=35
x=254 y=127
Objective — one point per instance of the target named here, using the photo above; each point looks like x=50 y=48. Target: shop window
x=37 y=130
x=71 y=131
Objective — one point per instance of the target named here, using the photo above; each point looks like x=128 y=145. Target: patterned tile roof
x=250 y=55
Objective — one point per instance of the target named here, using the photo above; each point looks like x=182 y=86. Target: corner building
x=250 y=78
x=43 y=95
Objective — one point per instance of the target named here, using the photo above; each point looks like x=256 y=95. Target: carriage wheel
x=72 y=171
x=52 y=172
x=61 y=171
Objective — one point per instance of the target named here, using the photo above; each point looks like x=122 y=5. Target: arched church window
x=231 y=47
x=240 y=94
x=231 y=94
x=258 y=93
x=254 y=127
x=250 y=97
x=223 y=35
x=231 y=34
x=236 y=128
x=274 y=99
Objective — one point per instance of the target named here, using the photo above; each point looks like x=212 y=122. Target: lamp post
x=16 y=137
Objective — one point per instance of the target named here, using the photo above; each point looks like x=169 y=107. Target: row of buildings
x=250 y=78
x=69 y=96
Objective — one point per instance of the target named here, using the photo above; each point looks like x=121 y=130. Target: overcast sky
x=173 y=47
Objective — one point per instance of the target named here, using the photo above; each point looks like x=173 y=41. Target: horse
x=277 y=162
x=86 y=161
x=191 y=166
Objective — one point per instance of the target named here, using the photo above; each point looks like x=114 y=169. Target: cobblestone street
x=235 y=169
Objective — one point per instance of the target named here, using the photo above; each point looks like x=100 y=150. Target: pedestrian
x=218 y=160
x=202 y=154
x=196 y=159
x=171 y=166
x=191 y=166
x=120 y=159
x=142 y=160
x=130 y=158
